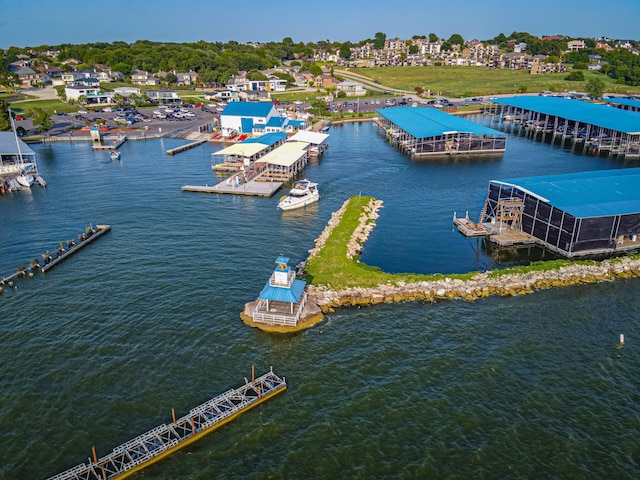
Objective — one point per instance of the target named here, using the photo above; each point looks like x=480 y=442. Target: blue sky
x=46 y=22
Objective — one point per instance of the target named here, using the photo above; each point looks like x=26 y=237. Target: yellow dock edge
x=199 y=435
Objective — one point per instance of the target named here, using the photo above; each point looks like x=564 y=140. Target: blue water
x=99 y=349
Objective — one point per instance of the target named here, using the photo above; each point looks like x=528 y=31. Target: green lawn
x=464 y=82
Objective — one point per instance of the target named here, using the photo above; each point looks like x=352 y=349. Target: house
x=352 y=89
x=28 y=77
x=223 y=95
x=139 y=77
x=324 y=81
x=575 y=45
x=74 y=92
x=163 y=96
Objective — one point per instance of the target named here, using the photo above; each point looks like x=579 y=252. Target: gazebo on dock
x=283 y=297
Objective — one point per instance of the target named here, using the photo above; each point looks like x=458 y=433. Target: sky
x=45 y=22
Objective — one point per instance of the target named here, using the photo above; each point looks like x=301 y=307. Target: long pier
x=165 y=439
x=182 y=148
x=84 y=239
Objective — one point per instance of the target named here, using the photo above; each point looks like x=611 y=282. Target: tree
x=5 y=123
x=413 y=49
x=345 y=51
x=379 y=40
x=42 y=121
x=433 y=37
x=595 y=87
x=456 y=39
x=171 y=78
x=575 y=76
x=82 y=99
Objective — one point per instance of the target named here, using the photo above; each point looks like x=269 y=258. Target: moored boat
x=25 y=180
x=303 y=193
x=115 y=155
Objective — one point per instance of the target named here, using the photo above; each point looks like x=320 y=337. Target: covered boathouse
x=427 y=131
x=576 y=214
x=598 y=128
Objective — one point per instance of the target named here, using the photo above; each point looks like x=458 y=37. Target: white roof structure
x=243 y=149
x=308 y=136
x=286 y=155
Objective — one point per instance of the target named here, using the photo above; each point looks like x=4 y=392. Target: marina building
x=630 y=104
x=427 y=131
x=598 y=128
x=246 y=153
x=577 y=214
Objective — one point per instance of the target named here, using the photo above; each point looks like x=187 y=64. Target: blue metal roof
x=280 y=294
x=248 y=109
x=577 y=110
x=624 y=101
x=430 y=122
x=267 y=138
x=586 y=194
x=276 y=122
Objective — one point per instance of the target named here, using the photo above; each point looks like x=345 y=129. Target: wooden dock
x=165 y=439
x=84 y=240
x=182 y=148
x=113 y=146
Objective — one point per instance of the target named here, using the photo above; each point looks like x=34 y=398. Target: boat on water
x=303 y=193
x=115 y=155
x=25 y=180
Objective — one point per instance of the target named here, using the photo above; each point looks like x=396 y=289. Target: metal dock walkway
x=84 y=240
x=165 y=439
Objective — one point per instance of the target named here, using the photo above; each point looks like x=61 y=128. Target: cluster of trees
x=216 y=62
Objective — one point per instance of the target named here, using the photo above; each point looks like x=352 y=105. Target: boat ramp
x=166 y=439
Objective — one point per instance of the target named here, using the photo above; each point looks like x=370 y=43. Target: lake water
x=99 y=349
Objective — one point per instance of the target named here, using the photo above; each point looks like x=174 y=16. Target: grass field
x=464 y=82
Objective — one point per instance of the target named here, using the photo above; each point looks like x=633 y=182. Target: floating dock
x=84 y=239
x=182 y=148
x=165 y=439
x=253 y=188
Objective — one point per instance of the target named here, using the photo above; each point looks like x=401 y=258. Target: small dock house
x=283 y=297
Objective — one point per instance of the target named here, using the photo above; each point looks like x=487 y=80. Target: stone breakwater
x=361 y=233
x=479 y=286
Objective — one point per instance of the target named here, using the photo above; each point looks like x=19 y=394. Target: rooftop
x=586 y=194
x=577 y=110
x=430 y=122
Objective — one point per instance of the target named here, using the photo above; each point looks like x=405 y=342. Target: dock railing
x=164 y=439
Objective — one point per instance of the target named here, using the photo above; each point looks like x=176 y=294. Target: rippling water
x=101 y=348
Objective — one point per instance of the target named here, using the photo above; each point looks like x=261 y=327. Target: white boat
x=302 y=193
x=115 y=155
x=25 y=180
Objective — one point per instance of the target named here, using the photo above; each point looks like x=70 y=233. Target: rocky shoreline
x=481 y=285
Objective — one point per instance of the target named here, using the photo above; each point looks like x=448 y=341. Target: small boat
x=115 y=155
x=302 y=193
x=40 y=180
x=25 y=180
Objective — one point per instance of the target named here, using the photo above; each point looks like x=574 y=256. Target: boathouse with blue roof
x=283 y=297
x=599 y=128
x=576 y=214
x=427 y=131
x=243 y=117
